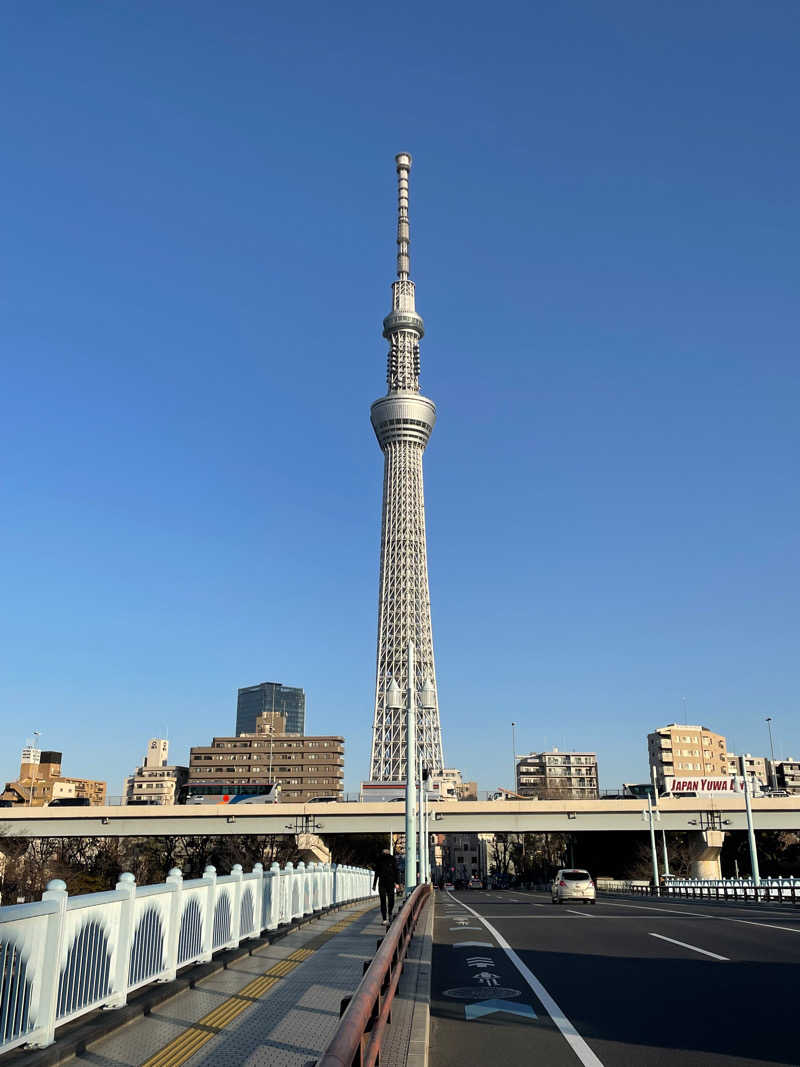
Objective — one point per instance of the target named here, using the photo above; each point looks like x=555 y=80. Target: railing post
x=297 y=890
x=258 y=904
x=126 y=887
x=51 y=972
x=287 y=894
x=209 y=875
x=272 y=879
x=236 y=910
x=175 y=882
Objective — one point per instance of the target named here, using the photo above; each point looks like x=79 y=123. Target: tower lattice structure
x=403 y=421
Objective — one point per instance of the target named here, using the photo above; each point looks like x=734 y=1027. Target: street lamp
x=514 y=756
x=394 y=701
x=773 y=774
x=651 y=816
x=36 y=734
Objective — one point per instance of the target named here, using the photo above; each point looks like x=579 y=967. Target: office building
x=403 y=421
x=40 y=781
x=681 y=750
x=555 y=775
x=155 y=782
x=285 y=700
x=304 y=767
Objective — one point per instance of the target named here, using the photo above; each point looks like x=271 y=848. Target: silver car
x=574 y=884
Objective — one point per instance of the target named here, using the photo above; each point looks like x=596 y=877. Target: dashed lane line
x=693 y=948
x=199 y=1033
x=568 y=1031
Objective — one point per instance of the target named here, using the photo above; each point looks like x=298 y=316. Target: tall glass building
x=271 y=696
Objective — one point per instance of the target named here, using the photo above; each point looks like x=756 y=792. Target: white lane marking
x=662 y=911
x=693 y=948
x=583 y=914
x=472 y=944
x=568 y=1031
x=771 y=926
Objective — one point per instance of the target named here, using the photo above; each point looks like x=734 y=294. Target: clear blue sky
x=197 y=250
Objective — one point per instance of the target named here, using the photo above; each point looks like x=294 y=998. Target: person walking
x=386 y=877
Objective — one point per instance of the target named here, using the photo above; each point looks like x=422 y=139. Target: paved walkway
x=277 y=1007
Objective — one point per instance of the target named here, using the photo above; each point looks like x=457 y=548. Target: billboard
x=702 y=786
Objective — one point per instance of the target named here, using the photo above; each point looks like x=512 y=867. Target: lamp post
x=36 y=734
x=648 y=815
x=663 y=832
x=751 y=837
x=427 y=699
x=773 y=774
x=514 y=756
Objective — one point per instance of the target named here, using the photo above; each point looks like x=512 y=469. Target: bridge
x=525 y=816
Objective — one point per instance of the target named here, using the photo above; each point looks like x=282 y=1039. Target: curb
x=419 y=1043
x=73 y=1039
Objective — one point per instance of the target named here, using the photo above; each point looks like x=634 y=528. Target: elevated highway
x=778 y=813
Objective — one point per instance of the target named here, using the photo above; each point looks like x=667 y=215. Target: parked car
x=322 y=800
x=573 y=884
x=475 y=883
x=70 y=802
x=449 y=885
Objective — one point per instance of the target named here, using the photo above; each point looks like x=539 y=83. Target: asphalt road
x=626 y=982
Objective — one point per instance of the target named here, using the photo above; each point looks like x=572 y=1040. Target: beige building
x=556 y=775
x=787 y=775
x=40 y=781
x=155 y=782
x=304 y=767
x=679 y=750
x=752 y=767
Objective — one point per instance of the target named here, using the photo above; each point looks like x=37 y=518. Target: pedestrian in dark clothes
x=386 y=878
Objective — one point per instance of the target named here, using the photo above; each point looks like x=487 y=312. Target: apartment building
x=787 y=775
x=678 y=749
x=756 y=769
x=558 y=775
x=305 y=767
x=40 y=781
x=155 y=782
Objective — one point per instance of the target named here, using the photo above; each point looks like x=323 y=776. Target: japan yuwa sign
x=703 y=785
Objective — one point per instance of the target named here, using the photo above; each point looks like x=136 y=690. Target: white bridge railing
x=65 y=956
x=780 y=889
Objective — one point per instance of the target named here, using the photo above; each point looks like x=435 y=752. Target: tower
x=403 y=421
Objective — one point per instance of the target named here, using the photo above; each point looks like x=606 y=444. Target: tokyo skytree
x=403 y=421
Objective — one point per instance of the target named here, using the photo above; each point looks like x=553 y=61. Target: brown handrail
x=357 y=1040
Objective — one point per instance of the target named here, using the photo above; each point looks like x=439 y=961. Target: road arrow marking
x=488 y=1007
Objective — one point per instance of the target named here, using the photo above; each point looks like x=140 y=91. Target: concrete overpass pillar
x=705 y=847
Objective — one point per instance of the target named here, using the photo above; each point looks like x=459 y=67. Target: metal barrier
x=65 y=956
x=357 y=1041
x=782 y=890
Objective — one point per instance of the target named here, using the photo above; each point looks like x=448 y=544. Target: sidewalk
x=277 y=1007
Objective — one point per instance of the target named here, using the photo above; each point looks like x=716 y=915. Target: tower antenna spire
x=403 y=161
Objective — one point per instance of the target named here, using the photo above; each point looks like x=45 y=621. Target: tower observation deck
x=403 y=421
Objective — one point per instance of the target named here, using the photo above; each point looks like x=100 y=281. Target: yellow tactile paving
x=197 y=1034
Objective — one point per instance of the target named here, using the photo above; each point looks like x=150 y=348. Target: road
x=627 y=982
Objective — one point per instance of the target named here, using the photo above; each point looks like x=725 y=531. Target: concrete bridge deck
x=777 y=813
